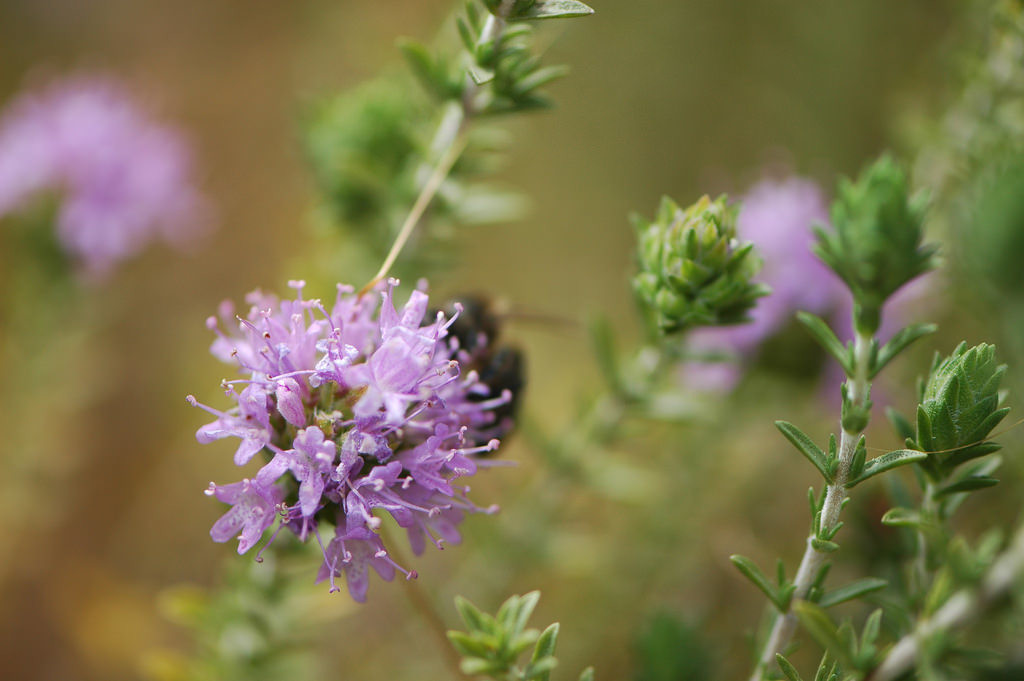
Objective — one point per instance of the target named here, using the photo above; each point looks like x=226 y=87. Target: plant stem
x=960 y=609
x=434 y=182
x=447 y=145
x=928 y=510
x=835 y=498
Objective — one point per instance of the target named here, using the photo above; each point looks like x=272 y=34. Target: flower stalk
x=447 y=146
x=858 y=389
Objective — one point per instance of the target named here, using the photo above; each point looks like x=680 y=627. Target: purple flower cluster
x=360 y=410
x=121 y=180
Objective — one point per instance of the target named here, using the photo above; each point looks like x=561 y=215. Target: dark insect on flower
x=477 y=331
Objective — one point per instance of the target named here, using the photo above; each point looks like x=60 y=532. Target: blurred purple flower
x=122 y=180
x=360 y=408
x=777 y=216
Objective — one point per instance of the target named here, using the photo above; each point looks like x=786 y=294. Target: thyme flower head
x=119 y=179
x=359 y=410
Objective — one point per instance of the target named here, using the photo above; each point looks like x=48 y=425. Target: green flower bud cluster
x=693 y=271
x=876 y=243
x=959 y=408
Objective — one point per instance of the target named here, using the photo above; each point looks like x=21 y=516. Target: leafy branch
x=493 y=645
x=500 y=77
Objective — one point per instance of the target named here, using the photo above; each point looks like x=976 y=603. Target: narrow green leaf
x=475 y=666
x=825 y=671
x=805 y=446
x=466 y=34
x=871 y=629
x=545 y=648
x=827 y=339
x=553 y=9
x=819 y=578
x=471 y=615
x=466 y=645
x=898 y=343
x=824 y=545
x=526 y=606
x=888 y=461
x=480 y=75
x=419 y=59
x=899 y=423
x=903 y=517
x=819 y=625
x=521 y=642
x=787 y=668
x=753 y=573
x=540 y=78
x=968 y=484
x=540 y=670
x=853 y=590
x=860 y=454
x=508 y=612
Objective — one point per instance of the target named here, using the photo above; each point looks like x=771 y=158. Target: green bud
x=959 y=408
x=876 y=243
x=693 y=271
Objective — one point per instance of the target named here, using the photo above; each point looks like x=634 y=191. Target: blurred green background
x=680 y=98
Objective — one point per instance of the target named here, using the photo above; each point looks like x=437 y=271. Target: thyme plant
x=370 y=411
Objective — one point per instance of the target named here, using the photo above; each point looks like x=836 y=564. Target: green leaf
x=426 y=69
x=545 y=648
x=753 y=573
x=480 y=75
x=471 y=615
x=552 y=9
x=824 y=545
x=805 y=446
x=860 y=454
x=540 y=78
x=888 y=461
x=587 y=674
x=526 y=606
x=508 y=613
x=898 y=343
x=968 y=484
x=475 y=666
x=540 y=670
x=871 y=629
x=787 y=668
x=903 y=517
x=467 y=645
x=523 y=641
x=899 y=423
x=819 y=625
x=827 y=339
x=853 y=590
x=826 y=671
